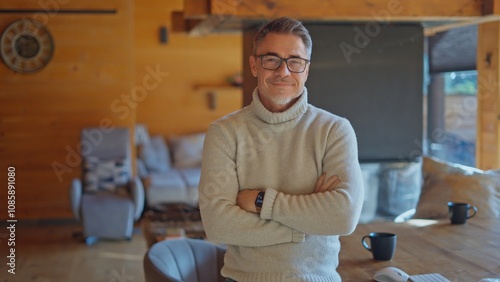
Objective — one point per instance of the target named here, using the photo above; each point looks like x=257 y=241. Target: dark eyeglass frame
x=283 y=60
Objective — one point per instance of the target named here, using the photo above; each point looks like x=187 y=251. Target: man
x=280 y=178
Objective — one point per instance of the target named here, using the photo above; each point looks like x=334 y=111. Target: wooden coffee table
x=172 y=221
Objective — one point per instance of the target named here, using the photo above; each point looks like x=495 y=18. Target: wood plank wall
x=179 y=104
x=98 y=60
x=488 y=97
x=42 y=114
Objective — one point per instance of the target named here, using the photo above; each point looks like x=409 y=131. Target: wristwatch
x=259 y=200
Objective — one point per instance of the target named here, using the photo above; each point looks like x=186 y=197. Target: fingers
x=334 y=184
x=320 y=181
x=330 y=181
x=328 y=185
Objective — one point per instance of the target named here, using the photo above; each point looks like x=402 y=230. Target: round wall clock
x=26 y=46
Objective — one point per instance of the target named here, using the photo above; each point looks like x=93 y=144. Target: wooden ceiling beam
x=491 y=7
x=353 y=10
x=430 y=31
x=218 y=15
x=196 y=9
x=490 y=13
x=181 y=24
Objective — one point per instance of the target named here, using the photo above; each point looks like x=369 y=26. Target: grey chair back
x=184 y=260
x=106 y=144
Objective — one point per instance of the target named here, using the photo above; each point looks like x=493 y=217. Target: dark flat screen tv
x=372 y=74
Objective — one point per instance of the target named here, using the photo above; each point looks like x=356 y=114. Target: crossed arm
x=246 y=198
x=230 y=216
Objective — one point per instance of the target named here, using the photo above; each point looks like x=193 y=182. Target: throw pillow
x=105 y=175
x=156 y=155
x=188 y=150
x=400 y=186
x=433 y=166
x=445 y=182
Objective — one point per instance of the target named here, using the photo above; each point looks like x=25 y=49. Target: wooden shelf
x=221 y=96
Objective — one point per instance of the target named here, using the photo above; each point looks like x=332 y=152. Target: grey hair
x=284 y=25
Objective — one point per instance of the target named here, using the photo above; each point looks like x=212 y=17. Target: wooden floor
x=51 y=252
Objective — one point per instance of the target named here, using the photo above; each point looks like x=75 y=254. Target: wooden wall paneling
x=219 y=100
x=173 y=107
x=188 y=65
x=58 y=5
x=42 y=114
x=488 y=96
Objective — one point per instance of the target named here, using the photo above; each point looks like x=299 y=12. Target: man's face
x=278 y=89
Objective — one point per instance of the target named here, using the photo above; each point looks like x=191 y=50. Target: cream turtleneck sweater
x=296 y=236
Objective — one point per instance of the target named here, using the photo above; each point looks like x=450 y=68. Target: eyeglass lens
x=271 y=62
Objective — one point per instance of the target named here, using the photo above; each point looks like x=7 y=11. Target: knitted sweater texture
x=296 y=235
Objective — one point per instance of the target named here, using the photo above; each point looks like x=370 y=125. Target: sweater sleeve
x=330 y=213
x=223 y=220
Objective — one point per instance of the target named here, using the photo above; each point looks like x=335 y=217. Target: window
x=460 y=110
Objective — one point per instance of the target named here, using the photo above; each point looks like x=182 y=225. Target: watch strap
x=260 y=199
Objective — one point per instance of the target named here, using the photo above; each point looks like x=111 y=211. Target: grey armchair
x=108 y=199
x=184 y=260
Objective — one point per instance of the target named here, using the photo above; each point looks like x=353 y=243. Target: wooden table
x=168 y=220
x=461 y=253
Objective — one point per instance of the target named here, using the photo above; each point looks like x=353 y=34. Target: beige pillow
x=432 y=166
x=433 y=198
x=188 y=150
x=479 y=189
x=156 y=155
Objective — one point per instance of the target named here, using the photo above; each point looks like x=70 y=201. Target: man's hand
x=323 y=185
x=246 y=200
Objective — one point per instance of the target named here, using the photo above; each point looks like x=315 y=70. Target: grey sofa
x=171 y=170
x=108 y=199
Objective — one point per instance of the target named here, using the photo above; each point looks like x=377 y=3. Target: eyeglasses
x=272 y=62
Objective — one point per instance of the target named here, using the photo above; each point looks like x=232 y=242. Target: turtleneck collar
x=295 y=111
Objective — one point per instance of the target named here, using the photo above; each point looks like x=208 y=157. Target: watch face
x=26 y=46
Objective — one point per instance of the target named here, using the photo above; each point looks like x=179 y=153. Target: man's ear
x=253 y=65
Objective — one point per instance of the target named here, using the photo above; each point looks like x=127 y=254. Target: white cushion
x=188 y=150
x=167 y=187
x=141 y=134
x=191 y=176
x=142 y=171
x=156 y=155
x=171 y=178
